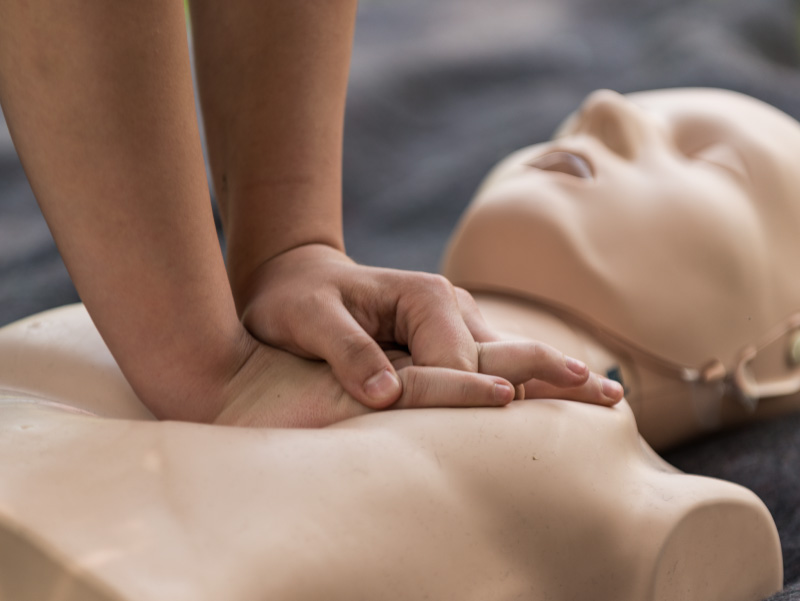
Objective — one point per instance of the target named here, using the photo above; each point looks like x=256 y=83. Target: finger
x=471 y=314
x=596 y=390
x=521 y=360
x=357 y=361
x=429 y=314
x=402 y=360
x=442 y=387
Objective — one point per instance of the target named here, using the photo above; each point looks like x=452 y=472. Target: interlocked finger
x=520 y=361
x=596 y=390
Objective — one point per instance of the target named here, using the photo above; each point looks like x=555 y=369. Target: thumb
x=357 y=361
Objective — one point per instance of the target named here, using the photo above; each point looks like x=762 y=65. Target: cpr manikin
x=658 y=238
x=542 y=499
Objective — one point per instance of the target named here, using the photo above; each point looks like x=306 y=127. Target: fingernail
x=577 y=367
x=382 y=387
x=611 y=389
x=503 y=393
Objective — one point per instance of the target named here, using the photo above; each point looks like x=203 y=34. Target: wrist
x=264 y=224
x=193 y=383
x=249 y=283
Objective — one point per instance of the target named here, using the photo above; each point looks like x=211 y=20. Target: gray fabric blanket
x=442 y=89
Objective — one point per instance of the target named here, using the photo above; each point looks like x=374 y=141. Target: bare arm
x=273 y=78
x=99 y=103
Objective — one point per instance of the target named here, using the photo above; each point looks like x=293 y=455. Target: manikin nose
x=614 y=120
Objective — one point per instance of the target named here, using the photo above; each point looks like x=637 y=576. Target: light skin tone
x=680 y=204
x=706 y=174
x=98 y=98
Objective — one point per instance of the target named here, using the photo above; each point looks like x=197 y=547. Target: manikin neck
x=669 y=408
x=520 y=318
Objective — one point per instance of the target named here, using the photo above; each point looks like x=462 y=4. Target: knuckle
x=311 y=304
x=415 y=388
x=462 y=363
x=430 y=297
x=540 y=355
x=441 y=285
x=465 y=299
x=431 y=283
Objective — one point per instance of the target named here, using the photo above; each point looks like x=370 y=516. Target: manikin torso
x=539 y=500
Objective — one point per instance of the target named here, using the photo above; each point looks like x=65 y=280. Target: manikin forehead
x=737 y=110
x=767 y=139
x=765 y=133
x=723 y=111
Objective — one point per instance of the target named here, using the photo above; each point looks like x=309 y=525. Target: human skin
x=540 y=499
x=108 y=137
x=272 y=78
x=108 y=140
x=670 y=219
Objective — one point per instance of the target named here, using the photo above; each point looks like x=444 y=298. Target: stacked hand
x=391 y=338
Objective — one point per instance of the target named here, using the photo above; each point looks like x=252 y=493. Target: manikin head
x=669 y=217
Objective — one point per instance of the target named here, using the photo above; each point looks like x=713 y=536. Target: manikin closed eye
x=723 y=156
x=563 y=162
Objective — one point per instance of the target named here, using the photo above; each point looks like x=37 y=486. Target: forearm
x=98 y=99
x=273 y=79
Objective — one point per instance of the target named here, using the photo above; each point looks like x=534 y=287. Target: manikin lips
x=564 y=162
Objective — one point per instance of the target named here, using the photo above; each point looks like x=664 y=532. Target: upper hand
x=317 y=303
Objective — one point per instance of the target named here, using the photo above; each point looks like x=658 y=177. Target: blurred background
x=441 y=90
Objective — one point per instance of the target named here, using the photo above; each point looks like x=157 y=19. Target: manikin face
x=670 y=217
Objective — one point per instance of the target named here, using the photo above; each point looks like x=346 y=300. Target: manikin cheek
x=517 y=244
x=686 y=267
x=669 y=269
